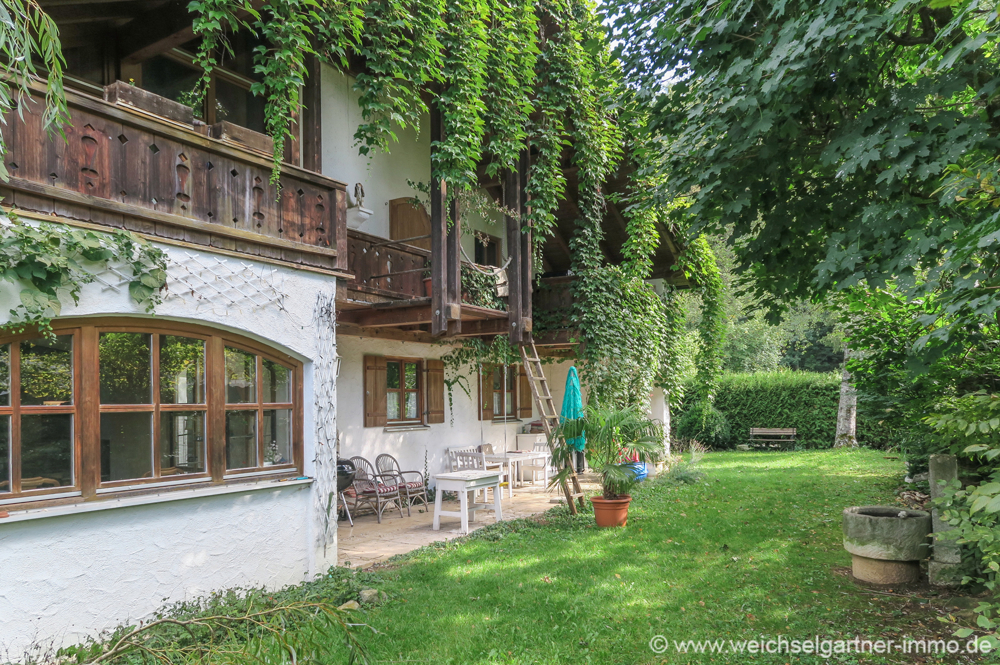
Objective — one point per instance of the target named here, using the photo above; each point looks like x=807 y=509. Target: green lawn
x=753 y=550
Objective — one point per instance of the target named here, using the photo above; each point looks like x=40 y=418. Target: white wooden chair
x=476 y=461
x=452 y=462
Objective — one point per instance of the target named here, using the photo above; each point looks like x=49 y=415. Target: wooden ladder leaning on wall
x=550 y=417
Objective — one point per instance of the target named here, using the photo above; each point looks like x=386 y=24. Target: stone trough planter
x=886 y=543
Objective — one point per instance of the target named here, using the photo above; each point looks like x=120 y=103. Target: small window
x=487 y=250
x=174 y=75
x=504 y=392
x=403 y=389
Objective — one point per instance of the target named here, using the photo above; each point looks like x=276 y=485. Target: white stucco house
x=156 y=457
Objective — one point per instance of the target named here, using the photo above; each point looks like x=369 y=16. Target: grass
x=752 y=550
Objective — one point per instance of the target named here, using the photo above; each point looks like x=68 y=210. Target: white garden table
x=464 y=482
x=513 y=461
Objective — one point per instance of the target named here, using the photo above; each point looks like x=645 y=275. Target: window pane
x=411 y=376
x=497 y=379
x=241 y=376
x=237 y=105
x=126 y=446
x=182 y=370
x=497 y=404
x=4 y=454
x=392 y=406
x=509 y=404
x=277 y=382
x=392 y=376
x=169 y=78
x=277 y=436
x=47 y=371
x=126 y=368
x=411 y=406
x=182 y=442
x=511 y=377
x=241 y=439
x=5 y=375
x=46 y=451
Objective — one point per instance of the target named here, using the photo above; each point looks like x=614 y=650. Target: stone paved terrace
x=369 y=542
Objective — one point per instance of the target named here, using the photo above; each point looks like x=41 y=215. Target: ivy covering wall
x=507 y=76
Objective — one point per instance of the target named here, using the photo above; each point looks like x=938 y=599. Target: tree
x=847 y=411
x=841 y=140
x=29 y=37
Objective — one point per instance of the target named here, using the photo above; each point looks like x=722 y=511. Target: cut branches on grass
x=293 y=625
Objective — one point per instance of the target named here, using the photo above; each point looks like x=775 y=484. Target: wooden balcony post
x=512 y=202
x=439 y=234
x=527 y=253
x=454 y=302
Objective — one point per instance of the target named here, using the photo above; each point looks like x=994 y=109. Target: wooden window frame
x=401 y=391
x=156 y=407
x=486 y=385
x=87 y=409
x=511 y=376
x=15 y=410
x=260 y=406
x=478 y=237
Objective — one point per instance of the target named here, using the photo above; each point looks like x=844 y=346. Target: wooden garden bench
x=772 y=437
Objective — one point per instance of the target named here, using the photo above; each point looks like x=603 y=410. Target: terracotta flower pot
x=611 y=512
x=428 y=290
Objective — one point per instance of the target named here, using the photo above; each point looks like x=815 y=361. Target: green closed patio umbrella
x=572 y=408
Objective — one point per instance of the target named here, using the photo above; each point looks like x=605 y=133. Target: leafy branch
x=49 y=261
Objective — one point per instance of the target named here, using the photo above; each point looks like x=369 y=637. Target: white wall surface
x=384 y=176
x=409 y=446
x=63 y=577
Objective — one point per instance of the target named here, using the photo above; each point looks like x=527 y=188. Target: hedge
x=807 y=401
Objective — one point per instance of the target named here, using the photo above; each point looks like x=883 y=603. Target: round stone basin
x=886 y=543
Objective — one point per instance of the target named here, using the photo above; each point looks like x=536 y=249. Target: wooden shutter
x=524 y=397
x=409 y=221
x=375 y=412
x=435 y=391
x=484 y=409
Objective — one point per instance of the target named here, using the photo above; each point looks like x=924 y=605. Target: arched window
x=111 y=406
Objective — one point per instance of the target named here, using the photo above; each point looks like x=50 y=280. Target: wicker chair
x=412 y=490
x=377 y=490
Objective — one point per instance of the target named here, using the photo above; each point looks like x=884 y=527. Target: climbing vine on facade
x=509 y=77
x=48 y=262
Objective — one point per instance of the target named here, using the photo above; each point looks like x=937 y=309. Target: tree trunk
x=848 y=412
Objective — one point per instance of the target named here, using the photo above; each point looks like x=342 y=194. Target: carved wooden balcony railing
x=383 y=269
x=123 y=167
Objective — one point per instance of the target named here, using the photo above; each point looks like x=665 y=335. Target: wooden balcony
x=127 y=168
x=386 y=297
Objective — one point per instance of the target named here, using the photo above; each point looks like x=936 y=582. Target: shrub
x=705 y=423
x=807 y=401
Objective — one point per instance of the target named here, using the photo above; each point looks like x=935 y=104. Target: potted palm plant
x=616 y=438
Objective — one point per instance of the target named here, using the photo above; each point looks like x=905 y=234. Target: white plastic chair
x=538 y=466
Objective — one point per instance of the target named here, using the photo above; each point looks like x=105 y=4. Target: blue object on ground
x=572 y=407
x=641 y=472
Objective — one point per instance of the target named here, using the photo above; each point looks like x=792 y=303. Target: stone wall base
x=944 y=574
